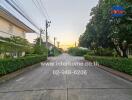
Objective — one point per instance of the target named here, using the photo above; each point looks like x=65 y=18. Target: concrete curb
x=117 y=73
x=16 y=73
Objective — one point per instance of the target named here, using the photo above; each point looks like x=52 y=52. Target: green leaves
x=77 y=51
x=11 y=65
x=120 y=64
x=40 y=49
x=103 y=27
x=14 y=44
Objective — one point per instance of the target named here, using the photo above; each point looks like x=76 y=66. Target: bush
x=40 y=50
x=91 y=53
x=120 y=64
x=104 y=52
x=54 y=52
x=11 y=65
x=77 y=51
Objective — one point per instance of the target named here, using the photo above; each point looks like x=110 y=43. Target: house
x=49 y=45
x=12 y=26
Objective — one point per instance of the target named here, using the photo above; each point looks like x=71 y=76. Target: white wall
x=7 y=29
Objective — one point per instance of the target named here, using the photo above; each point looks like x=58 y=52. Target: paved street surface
x=44 y=83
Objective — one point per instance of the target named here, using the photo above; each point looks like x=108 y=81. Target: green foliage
x=14 y=44
x=11 y=65
x=40 y=49
x=103 y=28
x=91 y=53
x=120 y=64
x=75 y=51
x=104 y=52
x=55 y=52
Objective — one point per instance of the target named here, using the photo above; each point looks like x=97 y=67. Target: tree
x=106 y=31
x=40 y=49
x=13 y=45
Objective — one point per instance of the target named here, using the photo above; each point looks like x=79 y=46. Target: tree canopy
x=106 y=31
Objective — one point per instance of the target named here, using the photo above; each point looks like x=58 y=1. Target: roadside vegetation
x=105 y=31
x=17 y=53
x=109 y=39
x=75 y=51
x=11 y=65
x=54 y=51
x=120 y=64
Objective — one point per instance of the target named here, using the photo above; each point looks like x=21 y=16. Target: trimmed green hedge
x=120 y=64
x=11 y=65
x=75 y=51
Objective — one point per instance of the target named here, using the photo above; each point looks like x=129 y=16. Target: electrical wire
x=22 y=10
x=41 y=2
x=21 y=13
x=39 y=8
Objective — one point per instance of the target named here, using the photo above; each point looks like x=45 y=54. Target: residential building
x=12 y=26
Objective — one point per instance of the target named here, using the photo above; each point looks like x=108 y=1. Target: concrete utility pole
x=46 y=30
x=41 y=31
x=58 y=44
x=54 y=41
x=75 y=44
x=54 y=45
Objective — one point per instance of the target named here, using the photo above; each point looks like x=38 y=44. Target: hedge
x=120 y=64
x=11 y=65
x=75 y=51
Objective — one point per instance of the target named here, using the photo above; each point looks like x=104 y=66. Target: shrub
x=120 y=64
x=11 y=65
x=40 y=50
x=91 y=53
x=77 y=51
x=54 y=52
x=104 y=52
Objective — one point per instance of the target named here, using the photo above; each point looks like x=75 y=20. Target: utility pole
x=58 y=44
x=54 y=41
x=41 y=31
x=46 y=30
x=75 y=44
x=54 y=45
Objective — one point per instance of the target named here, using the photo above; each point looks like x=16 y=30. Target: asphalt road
x=80 y=82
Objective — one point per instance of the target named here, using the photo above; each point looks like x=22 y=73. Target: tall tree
x=106 y=31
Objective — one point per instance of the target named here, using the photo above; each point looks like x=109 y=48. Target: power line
x=20 y=4
x=22 y=10
x=44 y=8
x=39 y=8
x=21 y=13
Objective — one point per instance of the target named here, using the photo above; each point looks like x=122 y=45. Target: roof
x=11 y=18
x=48 y=44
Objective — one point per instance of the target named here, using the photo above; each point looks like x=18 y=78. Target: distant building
x=49 y=45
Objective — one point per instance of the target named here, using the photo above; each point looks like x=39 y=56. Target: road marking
x=19 y=79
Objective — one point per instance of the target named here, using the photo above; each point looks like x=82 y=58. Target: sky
x=69 y=18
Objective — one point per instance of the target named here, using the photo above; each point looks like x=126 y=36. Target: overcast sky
x=69 y=17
